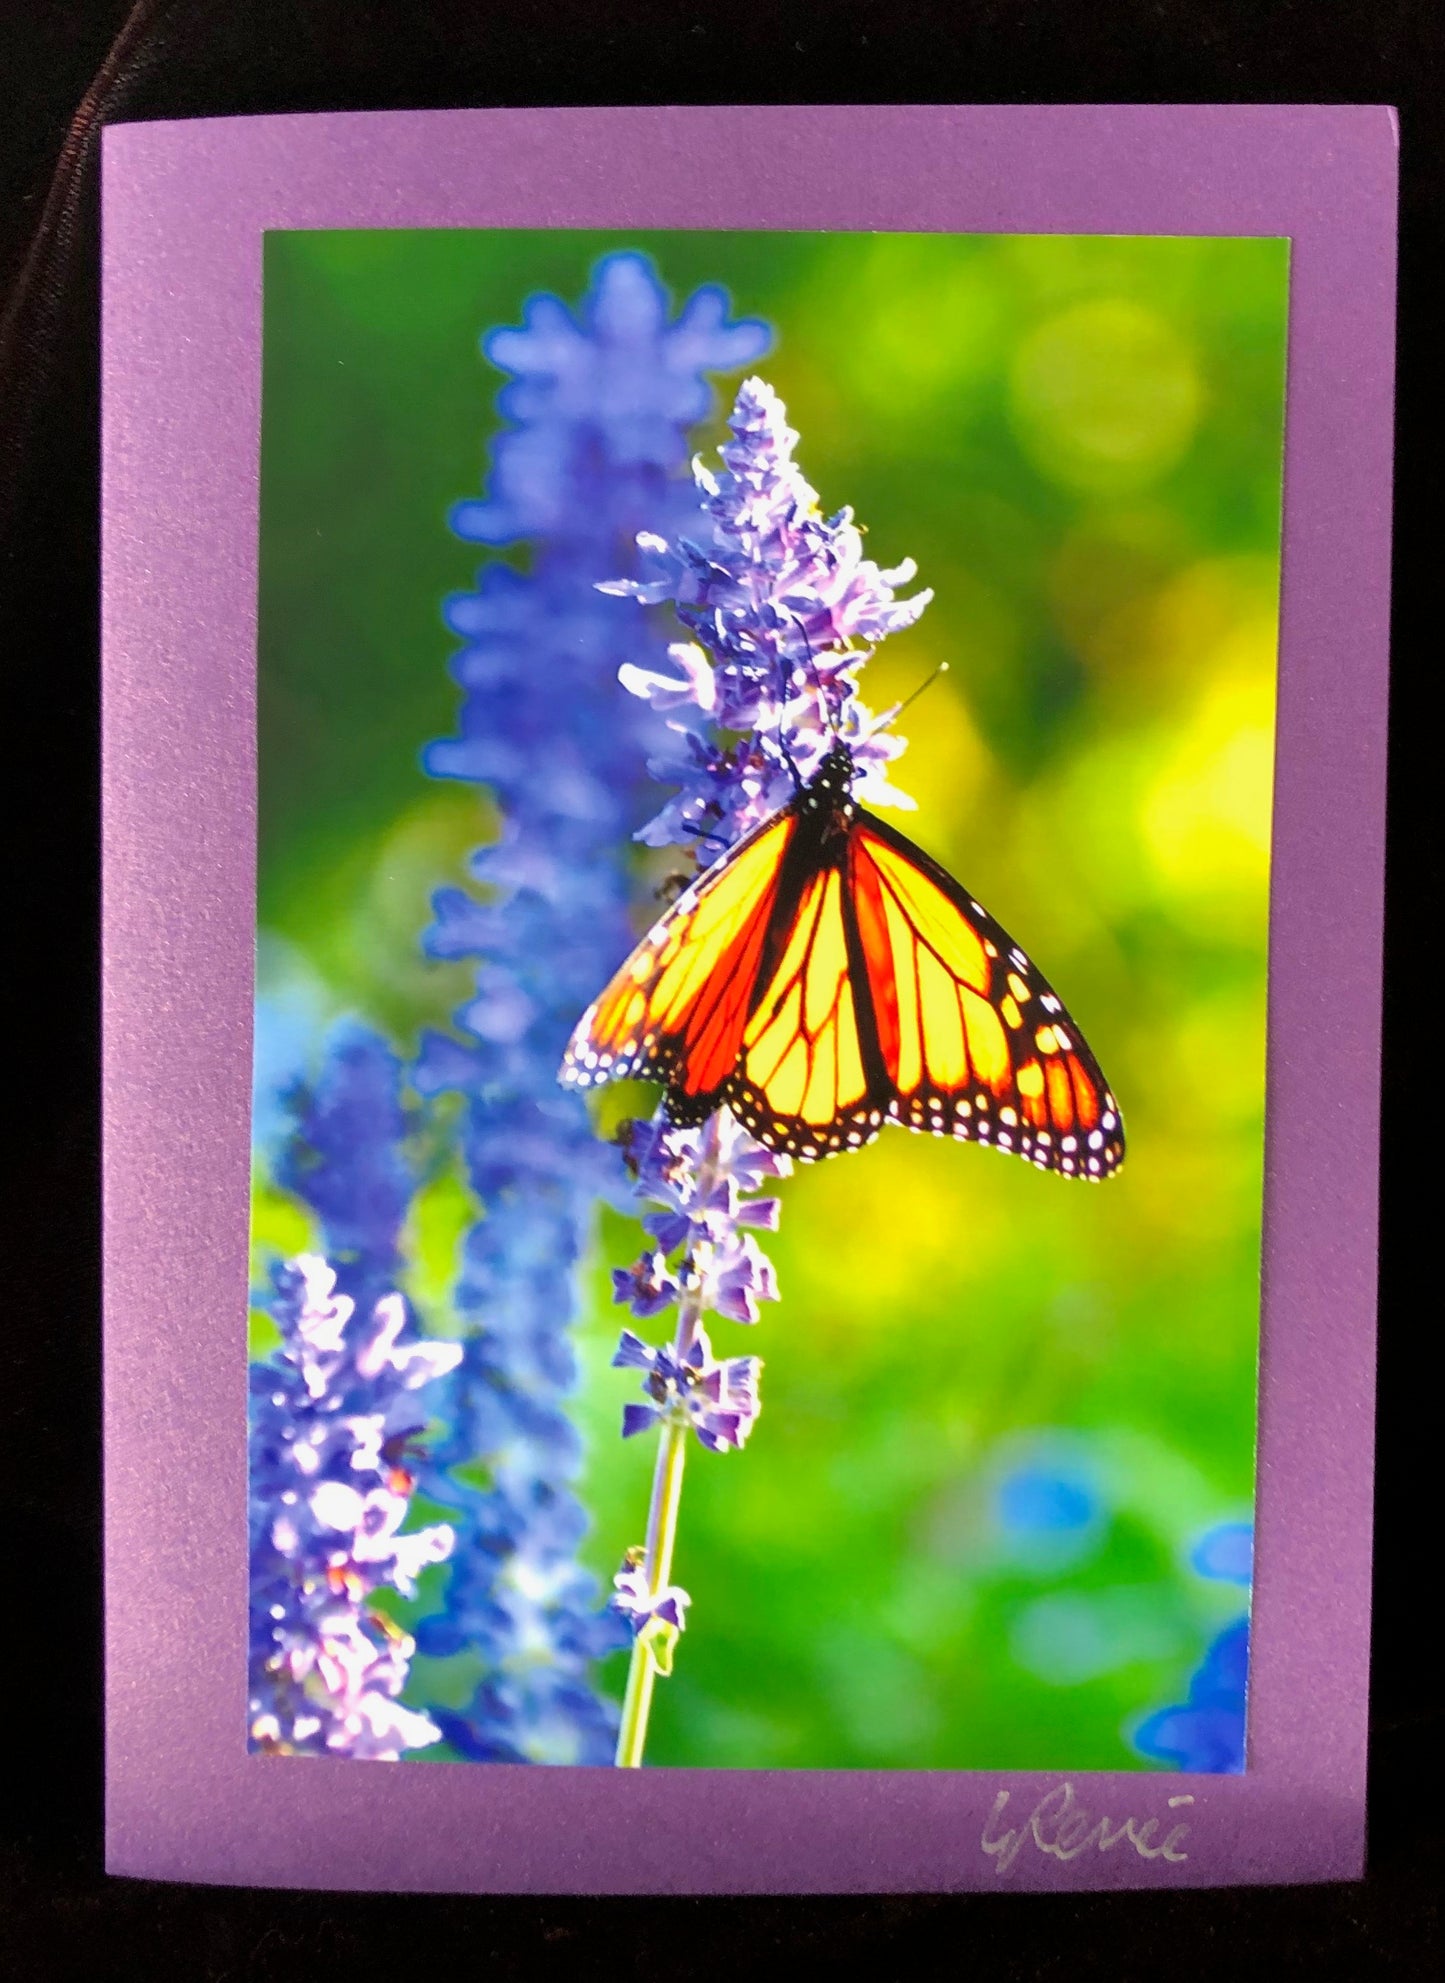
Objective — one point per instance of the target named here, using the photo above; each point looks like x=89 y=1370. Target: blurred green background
x=999 y=1407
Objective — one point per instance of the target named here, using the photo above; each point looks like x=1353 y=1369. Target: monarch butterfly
x=826 y=977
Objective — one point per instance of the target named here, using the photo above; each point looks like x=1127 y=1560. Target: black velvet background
x=59 y=1916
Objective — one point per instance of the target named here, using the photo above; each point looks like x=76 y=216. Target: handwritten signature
x=1063 y=1828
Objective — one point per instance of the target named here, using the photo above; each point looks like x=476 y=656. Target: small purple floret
x=646 y=1286
x=718 y=1398
x=640 y=1606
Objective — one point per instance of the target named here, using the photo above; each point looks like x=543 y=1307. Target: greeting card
x=744 y=817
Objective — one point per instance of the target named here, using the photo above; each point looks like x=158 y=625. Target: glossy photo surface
x=995 y=1505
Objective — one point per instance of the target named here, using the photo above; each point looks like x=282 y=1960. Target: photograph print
x=765 y=755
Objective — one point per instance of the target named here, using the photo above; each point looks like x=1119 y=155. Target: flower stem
x=661 y=1536
x=666 y=1498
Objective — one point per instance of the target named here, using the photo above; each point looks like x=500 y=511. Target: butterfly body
x=826 y=977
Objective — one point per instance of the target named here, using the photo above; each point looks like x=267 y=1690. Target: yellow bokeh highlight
x=1105 y=395
x=938 y=1226
x=1206 y=818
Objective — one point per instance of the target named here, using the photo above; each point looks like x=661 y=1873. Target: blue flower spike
x=1205 y=1732
x=598 y=403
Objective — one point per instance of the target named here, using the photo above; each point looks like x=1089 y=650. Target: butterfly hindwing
x=975 y=1042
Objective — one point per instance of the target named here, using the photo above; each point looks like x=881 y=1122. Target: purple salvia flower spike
x=788 y=607
x=784 y=609
x=327 y=1505
x=332 y=1416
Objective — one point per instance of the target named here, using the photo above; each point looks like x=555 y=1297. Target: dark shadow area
x=59 y=1915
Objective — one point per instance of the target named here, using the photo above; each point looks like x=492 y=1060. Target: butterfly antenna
x=892 y=715
x=823 y=703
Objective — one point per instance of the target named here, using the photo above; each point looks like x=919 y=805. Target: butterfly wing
x=676 y=1010
x=974 y=1042
x=806 y=1081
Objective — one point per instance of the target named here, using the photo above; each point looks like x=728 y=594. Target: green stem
x=661 y=1536
x=666 y=1500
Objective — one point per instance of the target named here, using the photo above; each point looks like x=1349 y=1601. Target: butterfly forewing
x=676 y=1009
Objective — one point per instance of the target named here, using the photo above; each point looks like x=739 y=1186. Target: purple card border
x=185 y=205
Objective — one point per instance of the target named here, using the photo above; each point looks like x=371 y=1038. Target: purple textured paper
x=184 y=209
